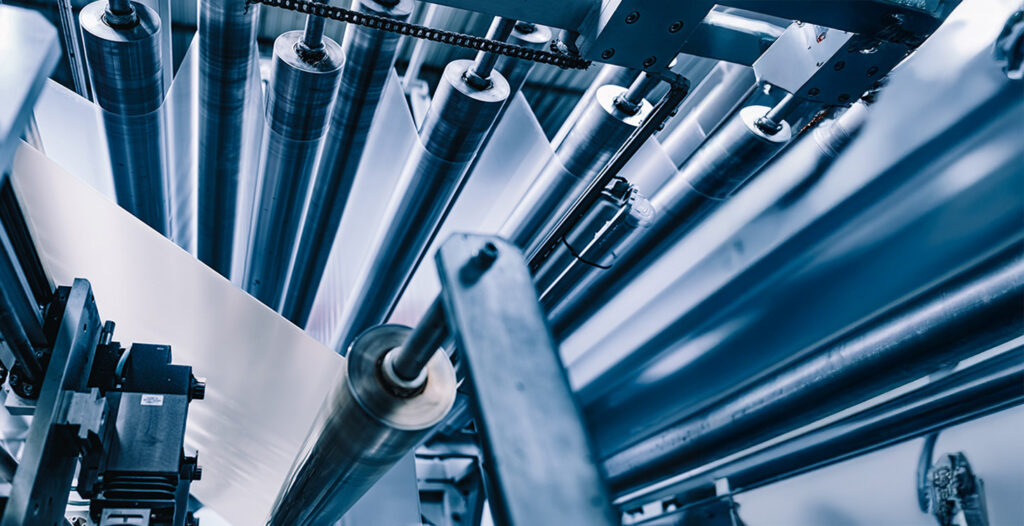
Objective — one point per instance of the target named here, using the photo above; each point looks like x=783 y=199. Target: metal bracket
x=39 y=491
x=954 y=491
x=539 y=459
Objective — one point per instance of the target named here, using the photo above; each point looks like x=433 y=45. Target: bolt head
x=676 y=26
x=650 y=61
x=872 y=71
x=606 y=54
x=813 y=91
x=839 y=66
x=844 y=97
x=633 y=17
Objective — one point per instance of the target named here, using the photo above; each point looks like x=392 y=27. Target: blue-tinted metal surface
x=227 y=46
x=126 y=72
x=369 y=56
x=733 y=154
x=908 y=201
x=450 y=137
x=956 y=318
x=298 y=100
x=601 y=130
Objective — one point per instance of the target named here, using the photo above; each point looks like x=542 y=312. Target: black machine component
x=120 y=414
x=115 y=417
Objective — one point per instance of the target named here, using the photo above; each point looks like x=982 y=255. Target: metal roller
x=604 y=125
x=516 y=70
x=966 y=314
x=227 y=45
x=303 y=85
x=366 y=429
x=122 y=47
x=609 y=74
x=733 y=154
x=369 y=56
x=451 y=135
x=710 y=103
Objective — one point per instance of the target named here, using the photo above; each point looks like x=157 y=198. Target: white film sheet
x=265 y=378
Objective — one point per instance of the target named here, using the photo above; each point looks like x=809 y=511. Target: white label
x=152 y=399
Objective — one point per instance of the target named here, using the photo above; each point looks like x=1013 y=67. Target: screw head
x=606 y=54
x=633 y=17
x=676 y=26
x=844 y=97
x=872 y=71
x=650 y=61
x=839 y=66
x=813 y=91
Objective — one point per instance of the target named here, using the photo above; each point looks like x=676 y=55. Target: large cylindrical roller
x=598 y=133
x=450 y=137
x=731 y=156
x=609 y=74
x=366 y=429
x=517 y=70
x=302 y=87
x=369 y=57
x=227 y=45
x=710 y=103
x=122 y=47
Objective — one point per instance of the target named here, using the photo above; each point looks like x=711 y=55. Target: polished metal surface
x=515 y=70
x=227 y=52
x=369 y=57
x=607 y=75
x=365 y=430
x=126 y=72
x=966 y=314
x=710 y=103
x=540 y=464
x=914 y=197
x=595 y=137
x=733 y=154
x=972 y=391
x=298 y=100
x=450 y=137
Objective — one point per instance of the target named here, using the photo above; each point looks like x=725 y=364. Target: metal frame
x=537 y=453
x=39 y=491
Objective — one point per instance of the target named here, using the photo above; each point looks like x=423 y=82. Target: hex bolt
x=839 y=66
x=676 y=26
x=486 y=256
x=813 y=91
x=633 y=17
x=607 y=54
x=650 y=61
